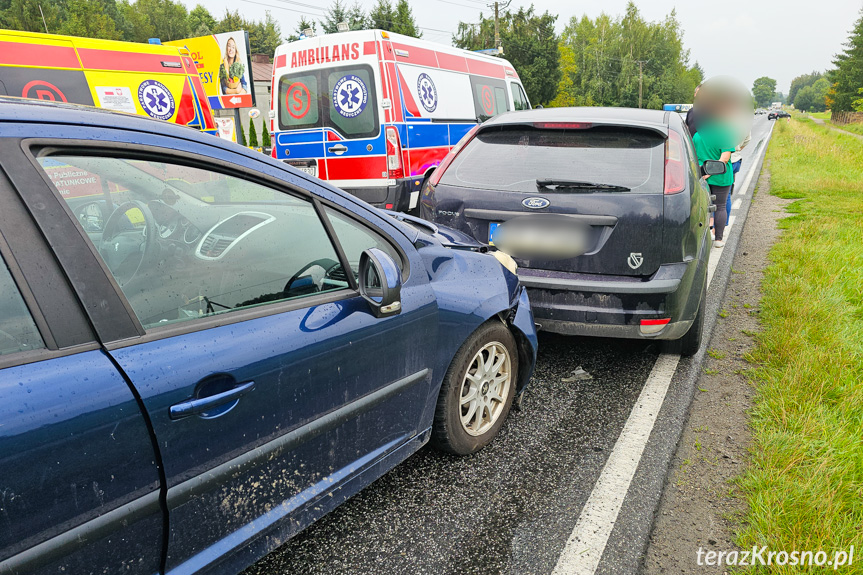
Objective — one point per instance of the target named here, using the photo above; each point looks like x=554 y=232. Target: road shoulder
x=700 y=505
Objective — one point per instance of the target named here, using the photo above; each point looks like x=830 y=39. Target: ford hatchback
x=602 y=209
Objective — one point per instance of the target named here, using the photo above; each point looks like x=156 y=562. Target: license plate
x=492 y=226
x=310 y=170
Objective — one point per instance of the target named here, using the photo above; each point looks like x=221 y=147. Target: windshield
x=514 y=158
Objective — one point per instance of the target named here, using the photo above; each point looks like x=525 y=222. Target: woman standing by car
x=715 y=141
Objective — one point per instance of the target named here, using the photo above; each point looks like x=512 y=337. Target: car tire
x=462 y=425
x=690 y=343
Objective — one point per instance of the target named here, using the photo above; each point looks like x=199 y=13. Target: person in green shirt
x=715 y=140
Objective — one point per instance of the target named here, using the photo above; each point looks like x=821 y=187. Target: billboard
x=225 y=68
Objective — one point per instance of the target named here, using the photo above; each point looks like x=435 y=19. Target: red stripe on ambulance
x=93 y=59
x=24 y=54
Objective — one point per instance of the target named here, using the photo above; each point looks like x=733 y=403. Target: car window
x=512 y=159
x=351 y=101
x=298 y=102
x=489 y=97
x=355 y=238
x=177 y=255
x=518 y=97
x=18 y=332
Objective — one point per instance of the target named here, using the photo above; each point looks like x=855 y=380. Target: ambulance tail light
x=447 y=160
x=394 y=154
x=675 y=171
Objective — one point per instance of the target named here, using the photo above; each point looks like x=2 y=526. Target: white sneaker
x=719 y=243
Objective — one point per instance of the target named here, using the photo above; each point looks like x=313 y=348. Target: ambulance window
x=489 y=97
x=352 y=102
x=298 y=101
x=519 y=100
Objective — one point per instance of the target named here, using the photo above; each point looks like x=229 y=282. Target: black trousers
x=720 y=216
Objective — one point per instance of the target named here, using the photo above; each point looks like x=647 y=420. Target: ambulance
x=374 y=112
x=147 y=79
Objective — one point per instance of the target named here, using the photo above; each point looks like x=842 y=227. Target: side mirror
x=380 y=282
x=713 y=168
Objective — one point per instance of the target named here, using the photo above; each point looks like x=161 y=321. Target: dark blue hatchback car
x=203 y=350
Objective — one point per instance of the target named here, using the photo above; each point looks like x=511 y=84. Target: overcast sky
x=743 y=38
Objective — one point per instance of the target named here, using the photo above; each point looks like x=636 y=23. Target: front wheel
x=477 y=391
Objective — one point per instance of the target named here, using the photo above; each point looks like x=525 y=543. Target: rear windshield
x=513 y=158
x=341 y=98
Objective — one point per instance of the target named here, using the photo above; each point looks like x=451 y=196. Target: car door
x=269 y=382
x=79 y=478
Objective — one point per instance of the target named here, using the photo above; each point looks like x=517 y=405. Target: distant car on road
x=603 y=209
x=775 y=114
x=203 y=350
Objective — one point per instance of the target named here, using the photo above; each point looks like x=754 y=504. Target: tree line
x=840 y=88
x=602 y=61
x=135 y=21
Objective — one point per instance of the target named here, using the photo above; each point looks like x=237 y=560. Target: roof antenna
x=43 y=19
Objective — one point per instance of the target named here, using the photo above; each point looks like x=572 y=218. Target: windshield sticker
x=350 y=96
x=427 y=92
x=298 y=100
x=156 y=99
x=487 y=101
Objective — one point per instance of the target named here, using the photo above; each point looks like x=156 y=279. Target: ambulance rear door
x=355 y=142
x=297 y=98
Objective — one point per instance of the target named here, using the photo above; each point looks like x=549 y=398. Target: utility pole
x=496 y=27
x=497 y=8
x=641 y=64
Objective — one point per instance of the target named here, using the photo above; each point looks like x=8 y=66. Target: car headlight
x=506 y=261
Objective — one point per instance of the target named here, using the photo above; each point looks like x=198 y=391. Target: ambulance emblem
x=427 y=92
x=156 y=99
x=350 y=96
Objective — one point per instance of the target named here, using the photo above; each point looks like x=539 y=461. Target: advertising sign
x=227 y=130
x=225 y=68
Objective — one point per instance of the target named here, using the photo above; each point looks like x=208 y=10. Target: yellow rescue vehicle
x=148 y=79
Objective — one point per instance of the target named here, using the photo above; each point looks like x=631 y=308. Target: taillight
x=652 y=326
x=394 y=153
x=675 y=170
x=563 y=125
x=447 y=160
x=273 y=151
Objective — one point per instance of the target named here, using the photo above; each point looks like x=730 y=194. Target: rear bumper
x=401 y=197
x=613 y=306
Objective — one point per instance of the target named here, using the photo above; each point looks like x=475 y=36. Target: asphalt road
x=512 y=507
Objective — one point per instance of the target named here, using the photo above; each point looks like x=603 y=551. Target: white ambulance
x=374 y=112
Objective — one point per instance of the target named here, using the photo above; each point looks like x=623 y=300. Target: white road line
x=586 y=544
x=737 y=203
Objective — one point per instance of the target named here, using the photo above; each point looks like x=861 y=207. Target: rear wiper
x=576 y=185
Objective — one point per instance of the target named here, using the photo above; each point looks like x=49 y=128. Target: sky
x=744 y=38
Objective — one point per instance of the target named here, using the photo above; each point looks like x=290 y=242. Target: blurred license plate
x=310 y=170
x=492 y=226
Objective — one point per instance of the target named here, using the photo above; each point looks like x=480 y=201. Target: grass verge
x=804 y=484
x=856 y=128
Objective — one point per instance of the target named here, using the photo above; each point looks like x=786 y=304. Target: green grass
x=856 y=128
x=804 y=483
x=821 y=115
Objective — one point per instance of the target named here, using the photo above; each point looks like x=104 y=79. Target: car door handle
x=204 y=404
x=338 y=149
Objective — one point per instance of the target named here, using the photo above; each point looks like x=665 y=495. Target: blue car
x=203 y=350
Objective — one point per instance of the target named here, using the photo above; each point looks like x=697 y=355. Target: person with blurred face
x=714 y=140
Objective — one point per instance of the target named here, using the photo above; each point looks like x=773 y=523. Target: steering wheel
x=125 y=242
x=327 y=264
